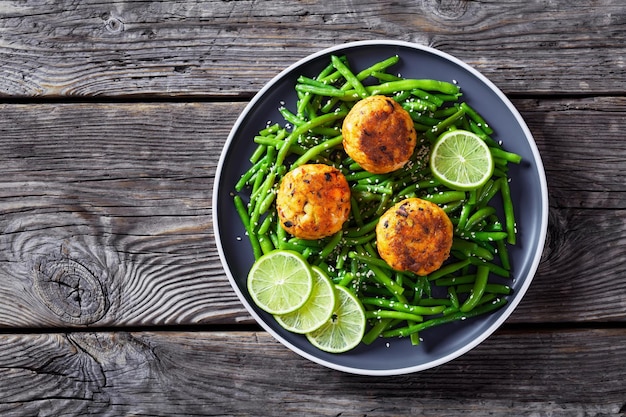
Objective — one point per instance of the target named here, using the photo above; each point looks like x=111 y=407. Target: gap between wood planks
x=253 y=327
x=239 y=98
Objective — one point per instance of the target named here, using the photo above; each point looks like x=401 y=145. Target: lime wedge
x=345 y=328
x=316 y=310
x=461 y=160
x=280 y=281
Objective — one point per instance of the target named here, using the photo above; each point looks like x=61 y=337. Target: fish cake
x=313 y=201
x=379 y=134
x=414 y=235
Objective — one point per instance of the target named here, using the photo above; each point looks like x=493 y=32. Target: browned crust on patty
x=379 y=134
x=414 y=235
x=313 y=201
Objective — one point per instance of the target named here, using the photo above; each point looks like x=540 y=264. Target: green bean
x=243 y=214
x=443 y=197
x=496 y=269
x=316 y=150
x=482 y=275
x=266 y=243
x=435 y=302
x=403 y=307
x=347 y=279
x=473 y=114
x=359 y=240
x=444 y=113
x=384 y=77
x=473 y=126
x=248 y=175
x=454 y=298
x=325 y=90
x=488 y=191
x=270 y=129
x=257 y=154
x=440 y=127
x=331 y=245
x=478 y=216
x=449 y=97
x=362 y=230
x=424 y=95
x=470 y=249
x=419 y=105
x=460 y=315
x=367 y=176
x=305 y=242
x=485 y=236
x=391 y=314
x=266 y=224
x=356 y=211
x=509 y=215
x=503 y=253
x=376 y=330
x=448 y=269
x=349 y=76
x=411 y=84
x=452 y=206
x=489 y=288
x=506 y=156
x=381 y=189
x=424 y=119
x=303 y=128
x=378 y=67
x=455 y=280
x=290 y=117
x=380 y=276
x=371 y=71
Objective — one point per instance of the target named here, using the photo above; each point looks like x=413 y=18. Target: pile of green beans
x=397 y=303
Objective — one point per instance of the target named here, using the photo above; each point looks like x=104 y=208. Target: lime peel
x=280 y=281
x=345 y=329
x=461 y=160
x=316 y=311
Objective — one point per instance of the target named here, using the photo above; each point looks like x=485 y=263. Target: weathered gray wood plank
x=203 y=48
x=513 y=373
x=116 y=198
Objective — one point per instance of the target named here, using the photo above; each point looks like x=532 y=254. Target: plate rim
x=508 y=309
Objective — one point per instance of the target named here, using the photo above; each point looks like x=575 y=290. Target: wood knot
x=71 y=290
x=114 y=25
x=451 y=9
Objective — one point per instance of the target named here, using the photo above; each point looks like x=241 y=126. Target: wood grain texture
x=241 y=373
x=106 y=221
x=112 y=209
x=112 y=118
x=203 y=48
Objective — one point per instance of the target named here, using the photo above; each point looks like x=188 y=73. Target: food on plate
x=316 y=311
x=379 y=134
x=280 y=282
x=414 y=235
x=346 y=327
x=461 y=160
x=313 y=201
x=349 y=183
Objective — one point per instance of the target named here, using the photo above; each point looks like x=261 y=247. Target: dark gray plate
x=529 y=191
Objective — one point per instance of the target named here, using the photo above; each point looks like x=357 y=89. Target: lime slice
x=280 y=281
x=461 y=160
x=317 y=309
x=345 y=328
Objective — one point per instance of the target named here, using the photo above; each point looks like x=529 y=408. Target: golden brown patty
x=414 y=235
x=379 y=134
x=313 y=201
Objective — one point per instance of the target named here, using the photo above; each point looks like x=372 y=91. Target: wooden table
x=113 y=299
